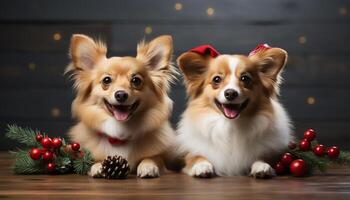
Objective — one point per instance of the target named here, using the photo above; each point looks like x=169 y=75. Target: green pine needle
x=312 y=160
x=24 y=136
x=82 y=165
x=343 y=158
x=24 y=164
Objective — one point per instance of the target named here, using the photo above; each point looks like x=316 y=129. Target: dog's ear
x=270 y=64
x=85 y=52
x=157 y=53
x=194 y=67
x=157 y=56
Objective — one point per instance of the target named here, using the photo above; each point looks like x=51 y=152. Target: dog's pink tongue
x=230 y=113
x=120 y=115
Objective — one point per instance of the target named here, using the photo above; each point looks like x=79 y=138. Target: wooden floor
x=335 y=184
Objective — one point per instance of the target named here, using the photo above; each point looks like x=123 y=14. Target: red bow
x=260 y=47
x=205 y=50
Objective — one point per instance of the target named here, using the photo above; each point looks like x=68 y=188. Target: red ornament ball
x=50 y=166
x=48 y=155
x=319 y=150
x=35 y=153
x=333 y=152
x=298 y=168
x=46 y=142
x=56 y=143
x=75 y=146
x=280 y=168
x=304 y=145
x=286 y=159
x=39 y=137
x=292 y=145
x=309 y=135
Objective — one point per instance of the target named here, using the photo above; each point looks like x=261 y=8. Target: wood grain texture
x=328 y=38
x=335 y=184
x=195 y=10
x=40 y=38
x=320 y=38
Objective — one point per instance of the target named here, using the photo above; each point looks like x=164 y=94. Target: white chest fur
x=233 y=145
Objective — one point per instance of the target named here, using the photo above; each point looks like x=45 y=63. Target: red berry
x=287 y=158
x=292 y=145
x=304 y=145
x=333 y=152
x=310 y=134
x=39 y=137
x=298 y=168
x=56 y=143
x=48 y=155
x=50 y=166
x=280 y=168
x=35 y=153
x=46 y=142
x=75 y=146
x=319 y=150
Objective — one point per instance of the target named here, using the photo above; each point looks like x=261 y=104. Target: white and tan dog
x=122 y=104
x=233 y=124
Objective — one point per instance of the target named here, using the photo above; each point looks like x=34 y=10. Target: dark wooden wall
x=34 y=38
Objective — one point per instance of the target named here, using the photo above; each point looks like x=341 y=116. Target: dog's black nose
x=121 y=96
x=231 y=94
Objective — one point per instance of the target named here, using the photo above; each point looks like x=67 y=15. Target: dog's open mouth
x=231 y=110
x=122 y=112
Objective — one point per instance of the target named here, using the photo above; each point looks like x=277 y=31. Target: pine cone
x=115 y=167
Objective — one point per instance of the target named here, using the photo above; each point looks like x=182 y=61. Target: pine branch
x=82 y=165
x=24 y=136
x=24 y=164
x=312 y=160
x=344 y=158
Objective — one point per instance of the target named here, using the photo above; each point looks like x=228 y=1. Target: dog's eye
x=217 y=79
x=136 y=81
x=107 y=80
x=245 y=79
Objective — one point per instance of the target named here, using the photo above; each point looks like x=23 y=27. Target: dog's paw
x=202 y=169
x=262 y=170
x=95 y=170
x=147 y=170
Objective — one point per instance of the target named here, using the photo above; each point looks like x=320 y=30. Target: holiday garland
x=304 y=158
x=40 y=154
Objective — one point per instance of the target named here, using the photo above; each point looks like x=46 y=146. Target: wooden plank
x=47 y=37
x=28 y=70
x=334 y=184
x=236 y=11
x=36 y=104
x=317 y=71
x=45 y=70
x=327 y=104
x=330 y=39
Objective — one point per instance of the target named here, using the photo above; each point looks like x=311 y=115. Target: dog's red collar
x=112 y=140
